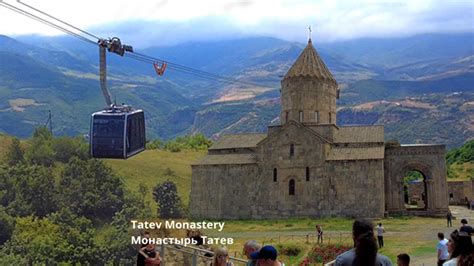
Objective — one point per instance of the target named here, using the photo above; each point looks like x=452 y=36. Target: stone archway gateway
x=415 y=190
x=429 y=160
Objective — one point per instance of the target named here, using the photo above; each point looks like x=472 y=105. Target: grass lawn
x=154 y=166
x=413 y=235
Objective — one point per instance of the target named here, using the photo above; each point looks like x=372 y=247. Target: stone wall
x=459 y=190
x=427 y=159
x=308 y=95
x=223 y=191
x=321 y=188
x=415 y=193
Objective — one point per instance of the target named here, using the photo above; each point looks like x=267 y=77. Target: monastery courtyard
x=416 y=236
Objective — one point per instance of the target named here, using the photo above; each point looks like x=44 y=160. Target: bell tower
x=309 y=91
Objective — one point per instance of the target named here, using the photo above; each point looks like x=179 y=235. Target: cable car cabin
x=117 y=134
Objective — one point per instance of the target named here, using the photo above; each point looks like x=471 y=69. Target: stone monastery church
x=310 y=167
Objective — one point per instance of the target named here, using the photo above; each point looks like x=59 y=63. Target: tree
x=28 y=190
x=118 y=239
x=37 y=239
x=90 y=189
x=65 y=148
x=80 y=233
x=199 y=142
x=62 y=237
x=40 y=151
x=12 y=259
x=168 y=200
x=15 y=153
x=42 y=133
x=7 y=224
x=188 y=142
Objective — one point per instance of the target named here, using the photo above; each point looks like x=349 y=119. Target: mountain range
x=420 y=87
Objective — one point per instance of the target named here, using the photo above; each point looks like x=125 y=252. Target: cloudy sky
x=166 y=22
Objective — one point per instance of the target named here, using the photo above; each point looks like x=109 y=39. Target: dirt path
x=459 y=212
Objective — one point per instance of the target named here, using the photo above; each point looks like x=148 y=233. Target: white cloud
x=288 y=19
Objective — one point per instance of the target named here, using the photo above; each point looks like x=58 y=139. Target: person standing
x=442 y=249
x=221 y=257
x=449 y=218
x=319 y=231
x=364 y=252
x=380 y=232
x=250 y=247
x=403 y=260
x=461 y=249
x=140 y=256
x=465 y=227
x=267 y=256
x=152 y=257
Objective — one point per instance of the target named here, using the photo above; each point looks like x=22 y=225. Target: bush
x=324 y=253
x=189 y=142
x=155 y=145
x=290 y=250
x=12 y=259
x=174 y=146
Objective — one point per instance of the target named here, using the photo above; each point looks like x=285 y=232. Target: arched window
x=286 y=116
x=316 y=116
x=275 y=174
x=292 y=150
x=291 y=186
x=301 y=116
x=330 y=118
x=307 y=173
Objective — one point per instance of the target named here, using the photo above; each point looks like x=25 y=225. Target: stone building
x=309 y=166
x=460 y=192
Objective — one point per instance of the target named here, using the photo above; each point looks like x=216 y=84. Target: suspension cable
x=134 y=55
x=41 y=20
x=57 y=19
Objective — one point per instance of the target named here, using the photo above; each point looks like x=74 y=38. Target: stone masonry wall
x=459 y=190
x=334 y=188
x=308 y=95
x=427 y=159
x=223 y=191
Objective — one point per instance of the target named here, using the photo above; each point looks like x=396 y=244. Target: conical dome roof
x=309 y=64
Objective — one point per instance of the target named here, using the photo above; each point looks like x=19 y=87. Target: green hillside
x=154 y=166
x=65 y=81
x=460 y=162
x=441 y=118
